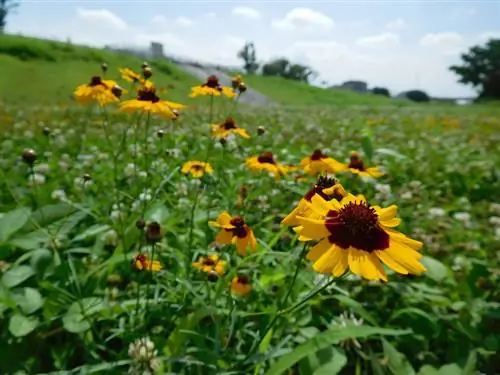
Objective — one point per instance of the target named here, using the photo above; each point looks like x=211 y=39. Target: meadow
x=141 y=236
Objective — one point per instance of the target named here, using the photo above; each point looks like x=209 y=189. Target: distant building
x=358 y=86
x=156 y=50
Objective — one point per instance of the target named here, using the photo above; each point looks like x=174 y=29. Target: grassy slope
x=41 y=71
x=295 y=93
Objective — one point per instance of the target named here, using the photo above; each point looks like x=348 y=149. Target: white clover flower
x=495 y=221
x=143 y=174
x=495 y=208
x=145 y=195
x=41 y=168
x=36 y=179
x=415 y=184
x=115 y=215
x=348 y=319
x=464 y=217
x=130 y=170
x=144 y=356
x=110 y=237
x=407 y=195
x=82 y=182
x=383 y=191
x=63 y=165
x=59 y=195
x=436 y=212
x=28 y=134
x=60 y=141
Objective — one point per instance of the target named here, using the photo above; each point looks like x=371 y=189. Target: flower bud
x=261 y=130
x=29 y=156
x=153 y=232
x=104 y=67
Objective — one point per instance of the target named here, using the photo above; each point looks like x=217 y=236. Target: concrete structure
x=156 y=50
x=358 y=86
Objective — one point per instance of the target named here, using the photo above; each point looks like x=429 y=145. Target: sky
x=400 y=44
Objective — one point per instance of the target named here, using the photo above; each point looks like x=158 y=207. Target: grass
x=47 y=72
x=75 y=299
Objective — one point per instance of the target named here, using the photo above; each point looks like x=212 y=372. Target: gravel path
x=202 y=72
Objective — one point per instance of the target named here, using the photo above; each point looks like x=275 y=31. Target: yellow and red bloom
x=235 y=231
x=266 y=162
x=355 y=235
x=228 y=127
x=97 y=90
x=196 y=168
x=318 y=162
x=130 y=76
x=141 y=262
x=211 y=263
x=357 y=166
x=241 y=285
x=211 y=87
x=148 y=101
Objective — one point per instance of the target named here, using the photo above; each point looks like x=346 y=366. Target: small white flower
x=41 y=168
x=415 y=184
x=58 y=195
x=436 y=212
x=495 y=221
x=464 y=217
x=82 y=182
x=143 y=174
x=495 y=208
x=144 y=356
x=63 y=165
x=36 y=179
x=130 y=169
x=110 y=237
x=115 y=215
x=383 y=191
x=407 y=195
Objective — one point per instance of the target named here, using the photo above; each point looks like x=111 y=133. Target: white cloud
x=184 y=21
x=483 y=37
x=303 y=19
x=101 y=17
x=379 y=41
x=246 y=12
x=397 y=25
x=440 y=40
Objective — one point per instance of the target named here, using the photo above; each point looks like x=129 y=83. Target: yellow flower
x=196 y=168
x=130 y=76
x=357 y=166
x=210 y=264
x=318 y=163
x=148 y=101
x=234 y=231
x=352 y=234
x=97 y=90
x=141 y=262
x=211 y=87
x=228 y=127
x=241 y=285
x=327 y=188
x=266 y=162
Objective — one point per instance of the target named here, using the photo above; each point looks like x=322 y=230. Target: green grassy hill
x=43 y=71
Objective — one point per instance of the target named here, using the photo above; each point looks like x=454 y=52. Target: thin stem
x=146 y=162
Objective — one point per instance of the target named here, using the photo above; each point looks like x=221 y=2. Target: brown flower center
x=243 y=280
x=266 y=157
x=356 y=163
x=141 y=258
x=213 y=83
x=197 y=167
x=208 y=262
x=318 y=155
x=356 y=225
x=148 y=95
x=229 y=124
x=96 y=81
x=323 y=183
x=240 y=228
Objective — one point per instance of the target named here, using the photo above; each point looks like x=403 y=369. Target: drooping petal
x=224 y=237
x=313 y=228
x=318 y=250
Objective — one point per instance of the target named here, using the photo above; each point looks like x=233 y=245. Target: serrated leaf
x=12 y=221
x=325 y=339
x=20 y=325
x=17 y=275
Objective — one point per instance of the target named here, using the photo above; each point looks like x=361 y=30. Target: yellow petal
x=406 y=257
x=363 y=264
x=386 y=213
x=224 y=237
x=318 y=250
x=312 y=228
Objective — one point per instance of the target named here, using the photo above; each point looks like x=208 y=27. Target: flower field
x=142 y=235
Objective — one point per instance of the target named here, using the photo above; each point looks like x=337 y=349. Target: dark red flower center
x=197 y=167
x=240 y=228
x=356 y=163
x=96 y=81
x=141 y=258
x=243 y=280
x=266 y=157
x=318 y=155
x=213 y=83
x=229 y=124
x=208 y=262
x=356 y=225
x=321 y=184
x=147 y=95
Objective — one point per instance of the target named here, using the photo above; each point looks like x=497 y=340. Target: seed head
x=29 y=156
x=160 y=133
x=153 y=232
x=261 y=130
x=104 y=67
x=242 y=87
x=147 y=72
x=213 y=276
x=140 y=223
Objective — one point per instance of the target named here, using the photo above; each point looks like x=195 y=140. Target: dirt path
x=202 y=72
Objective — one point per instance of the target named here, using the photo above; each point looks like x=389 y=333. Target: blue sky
x=397 y=44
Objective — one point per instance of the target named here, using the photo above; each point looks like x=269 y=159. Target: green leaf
x=328 y=338
x=398 y=363
x=428 y=370
x=356 y=307
x=436 y=270
x=17 y=275
x=20 y=325
x=91 y=232
x=47 y=215
x=12 y=221
x=158 y=212
x=334 y=366
x=450 y=369
x=30 y=240
x=366 y=143
x=390 y=152
x=471 y=364
x=75 y=323
x=41 y=261
x=29 y=299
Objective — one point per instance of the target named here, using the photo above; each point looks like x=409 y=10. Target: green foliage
x=480 y=68
x=381 y=91
x=417 y=96
x=248 y=55
x=283 y=68
x=6 y=8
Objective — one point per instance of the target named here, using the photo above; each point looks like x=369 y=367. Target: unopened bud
x=147 y=72
x=140 y=223
x=153 y=232
x=261 y=130
x=104 y=67
x=117 y=91
x=29 y=156
x=213 y=276
x=160 y=133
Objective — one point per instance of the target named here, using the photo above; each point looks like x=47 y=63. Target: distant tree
x=248 y=55
x=283 y=68
x=417 y=96
x=381 y=91
x=480 y=68
x=6 y=7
